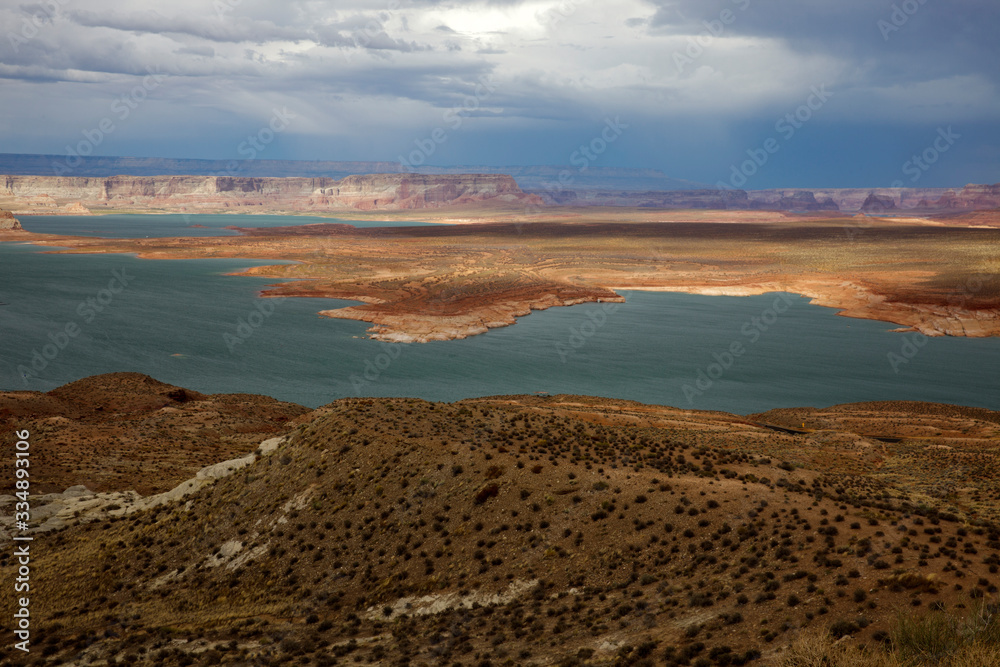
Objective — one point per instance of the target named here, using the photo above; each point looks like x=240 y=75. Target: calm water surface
x=153 y=226
x=186 y=323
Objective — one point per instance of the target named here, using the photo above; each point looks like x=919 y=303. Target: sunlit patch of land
x=445 y=282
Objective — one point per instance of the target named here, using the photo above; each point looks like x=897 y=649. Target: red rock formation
x=878 y=204
x=971 y=197
x=76 y=208
x=9 y=222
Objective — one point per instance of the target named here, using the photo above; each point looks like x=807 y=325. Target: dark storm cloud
x=892 y=40
x=369 y=76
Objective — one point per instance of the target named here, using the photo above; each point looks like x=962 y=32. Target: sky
x=748 y=93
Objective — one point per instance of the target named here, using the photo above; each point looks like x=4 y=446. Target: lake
x=128 y=226
x=186 y=323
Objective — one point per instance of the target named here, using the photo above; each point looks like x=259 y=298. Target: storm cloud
x=700 y=82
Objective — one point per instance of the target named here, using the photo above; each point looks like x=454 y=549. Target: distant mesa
x=524 y=188
x=878 y=204
x=923 y=200
x=800 y=200
x=971 y=197
x=221 y=193
x=528 y=177
x=708 y=198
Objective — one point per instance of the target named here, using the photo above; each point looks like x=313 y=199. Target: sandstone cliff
x=9 y=222
x=418 y=190
x=206 y=193
x=406 y=191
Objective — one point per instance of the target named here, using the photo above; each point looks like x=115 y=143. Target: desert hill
x=128 y=431
x=521 y=530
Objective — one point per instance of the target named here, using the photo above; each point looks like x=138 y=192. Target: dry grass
x=916 y=640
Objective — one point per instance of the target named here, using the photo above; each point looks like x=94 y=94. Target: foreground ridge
x=535 y=530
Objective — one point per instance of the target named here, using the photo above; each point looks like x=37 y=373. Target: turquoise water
x=153 y=226
x=184 y=322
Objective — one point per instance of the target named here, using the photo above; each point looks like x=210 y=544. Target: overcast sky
x=694 y=84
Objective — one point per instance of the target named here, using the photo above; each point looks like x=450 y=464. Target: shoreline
x=910 y=318
x=421 y=284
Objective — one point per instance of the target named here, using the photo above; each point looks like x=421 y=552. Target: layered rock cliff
x=418 y=190
x=371 y=192
x=395 y=191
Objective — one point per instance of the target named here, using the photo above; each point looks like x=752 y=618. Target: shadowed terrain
x=128 y=431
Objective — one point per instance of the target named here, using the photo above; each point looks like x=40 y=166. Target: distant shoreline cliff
x=208 y=193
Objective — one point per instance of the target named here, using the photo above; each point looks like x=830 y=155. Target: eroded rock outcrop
x=797 y=200
x=9 y=222
x=878 y=204
x=971 y=197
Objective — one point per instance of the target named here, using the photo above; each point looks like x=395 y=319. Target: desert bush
x=489 y=491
